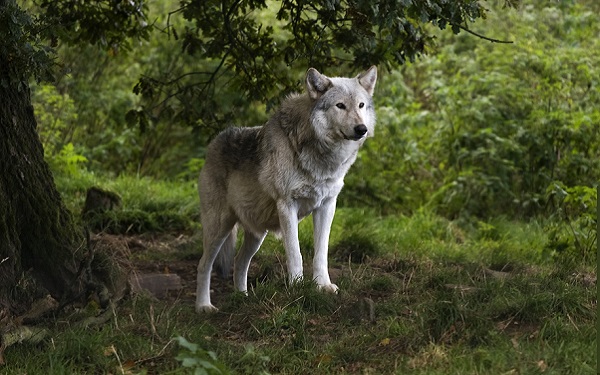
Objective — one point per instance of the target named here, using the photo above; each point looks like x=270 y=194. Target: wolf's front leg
x=288 y=221
x=322 y=219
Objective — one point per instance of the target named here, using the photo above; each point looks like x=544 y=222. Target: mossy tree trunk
x=39 y=240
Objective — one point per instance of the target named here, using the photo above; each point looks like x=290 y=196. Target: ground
x=394 y=314
x=153 y=254
x=397 y=311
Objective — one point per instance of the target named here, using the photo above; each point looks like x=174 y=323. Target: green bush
x=573 y=233
x=484 y=129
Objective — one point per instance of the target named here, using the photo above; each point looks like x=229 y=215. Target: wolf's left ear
x=316 y=83
x=368 y=79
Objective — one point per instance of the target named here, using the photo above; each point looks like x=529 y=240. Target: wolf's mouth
x=360 y=131
x=355 y=137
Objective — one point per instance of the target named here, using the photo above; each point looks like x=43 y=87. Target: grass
x=147 y=205
x=419 y=295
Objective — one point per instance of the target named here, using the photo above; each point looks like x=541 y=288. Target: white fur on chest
x=310 y=197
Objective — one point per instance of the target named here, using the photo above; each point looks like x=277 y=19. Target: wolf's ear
x=316 y=83
x=368 y=79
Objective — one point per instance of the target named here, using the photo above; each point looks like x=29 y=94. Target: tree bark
x=41 y=247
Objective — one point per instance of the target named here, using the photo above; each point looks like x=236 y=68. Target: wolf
x=268 y=178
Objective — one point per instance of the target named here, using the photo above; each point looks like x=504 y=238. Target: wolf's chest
x=311 y=196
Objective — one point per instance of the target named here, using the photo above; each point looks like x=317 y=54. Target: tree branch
x=464 y=28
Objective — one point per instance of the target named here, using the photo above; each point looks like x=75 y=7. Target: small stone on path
x=158 y=284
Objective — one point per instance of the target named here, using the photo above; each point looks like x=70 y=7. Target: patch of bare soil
x=159 y=264
x=164 y=265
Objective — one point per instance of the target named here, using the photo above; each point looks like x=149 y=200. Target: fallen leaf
x=324 y=358
x=109 y=350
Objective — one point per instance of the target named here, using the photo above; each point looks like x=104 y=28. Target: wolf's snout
x=360 y=130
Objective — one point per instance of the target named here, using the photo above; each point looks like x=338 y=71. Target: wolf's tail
x=224 y=261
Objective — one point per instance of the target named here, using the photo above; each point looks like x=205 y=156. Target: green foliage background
x=471 y=131
x=484 y=129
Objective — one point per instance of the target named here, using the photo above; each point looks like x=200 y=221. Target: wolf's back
x=234 y=147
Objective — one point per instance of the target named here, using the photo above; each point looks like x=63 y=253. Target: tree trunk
x=41 y=247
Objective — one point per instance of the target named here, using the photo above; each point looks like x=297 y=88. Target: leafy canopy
x=258 y=47
x=254 y=47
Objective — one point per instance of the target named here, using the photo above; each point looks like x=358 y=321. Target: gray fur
x=268 y=178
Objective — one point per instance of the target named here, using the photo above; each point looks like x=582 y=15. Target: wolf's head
x=343 y=108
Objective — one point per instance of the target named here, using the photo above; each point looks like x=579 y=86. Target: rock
x=98 y=200
x=158 y=284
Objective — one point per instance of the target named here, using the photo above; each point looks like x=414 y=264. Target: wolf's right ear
x=316 y=83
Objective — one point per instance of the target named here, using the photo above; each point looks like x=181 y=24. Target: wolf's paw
x=329 y=288
x=206 y=309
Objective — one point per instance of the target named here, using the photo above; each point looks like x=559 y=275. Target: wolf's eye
x=341 y=106
x=361 y=105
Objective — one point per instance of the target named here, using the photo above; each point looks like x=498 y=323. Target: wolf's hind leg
x=224 y=260
x=214 y=235
x=252 y=242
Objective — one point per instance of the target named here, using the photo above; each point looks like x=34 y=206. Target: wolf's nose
x=360 y=130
